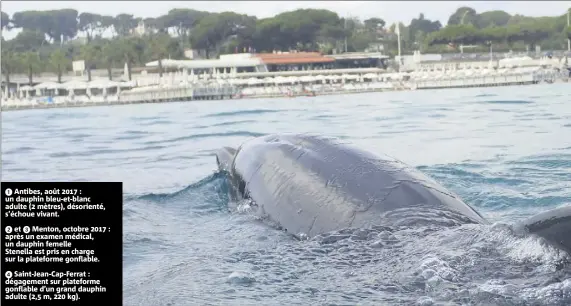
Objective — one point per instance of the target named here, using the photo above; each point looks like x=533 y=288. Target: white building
x=140 y=30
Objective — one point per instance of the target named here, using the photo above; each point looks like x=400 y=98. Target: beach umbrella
x=279 y=80
x=26 y=89
x=292 y=79
x=253 y=81
x=102 y=84
x=334 y=77
x=75 y=85
x=307 y=79
x=370 y=75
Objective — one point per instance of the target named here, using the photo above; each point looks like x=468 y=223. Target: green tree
x=44 y=32
x=456 y=34
x=304 y=25
x=406 y=38
x=463 y=15
x=533 y=32
x=420 y=27
x=374 y=24
x=308 y=29
x=110 y=56
x=492 y=34
x=206 y=35
x=10 y=61
x=65 y=22
x=130 y=52
x=156 y=24
x=214 y=30
x=89 y=24
x=159 y=48
x=28 y=40
x=106 y=23
x=90 y=53
x=492 y=18
x=58 y=63
x=424 y=25
x=4 y=20
x=329 y=36
x=32 y=63
x=268 y=36
x=56 y=24
x=123 y=24
x=182 y=20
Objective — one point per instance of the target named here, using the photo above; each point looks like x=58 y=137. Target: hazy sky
x=390 y=11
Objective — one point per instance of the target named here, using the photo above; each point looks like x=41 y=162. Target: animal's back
x=312 y=185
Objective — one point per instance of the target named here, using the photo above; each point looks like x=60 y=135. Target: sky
x=390 y=11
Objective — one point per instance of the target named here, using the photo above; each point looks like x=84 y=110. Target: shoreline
x=253 y=96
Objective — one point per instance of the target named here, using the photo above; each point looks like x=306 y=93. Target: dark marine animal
x=310 y=185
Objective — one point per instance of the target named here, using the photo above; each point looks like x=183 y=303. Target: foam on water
x=507 y=151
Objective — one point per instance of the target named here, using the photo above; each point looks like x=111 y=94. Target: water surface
x=507 y=151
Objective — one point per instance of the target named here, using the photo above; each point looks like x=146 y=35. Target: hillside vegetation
x=48 y=39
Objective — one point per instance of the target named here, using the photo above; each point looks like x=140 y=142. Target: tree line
x=48 y=39
x=497 y=27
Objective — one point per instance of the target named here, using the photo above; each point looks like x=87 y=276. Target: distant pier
x=154 y=95
x=480 y=81
x=304 y=86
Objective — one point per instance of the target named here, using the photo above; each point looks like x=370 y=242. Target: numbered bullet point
x=8 y=229
x=26 y=229
x=8 y=191
x=8 y=274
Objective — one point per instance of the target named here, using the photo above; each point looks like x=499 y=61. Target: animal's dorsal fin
x=552 y=225
x=225 y=157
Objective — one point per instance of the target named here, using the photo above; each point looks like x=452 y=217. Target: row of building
x=273 y=62
x=262 y=65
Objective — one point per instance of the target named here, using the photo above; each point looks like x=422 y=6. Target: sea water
x=506 y=151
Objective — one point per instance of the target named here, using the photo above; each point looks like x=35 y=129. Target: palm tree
x=110 y=56
x=10 y=62
x=58 y=63
x=89 y=53
x=32 y=63
x=159 y=44
x=128 y=50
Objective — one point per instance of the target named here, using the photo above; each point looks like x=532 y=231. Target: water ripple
x=242 y=113
x=504 y=150
x=206 y=135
